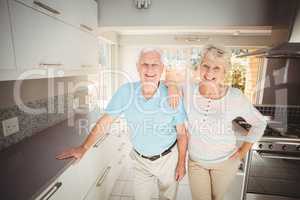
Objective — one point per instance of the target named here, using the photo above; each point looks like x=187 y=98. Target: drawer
x=103 y=186
x=97 y=159
x=105 y=149
x=64 y=187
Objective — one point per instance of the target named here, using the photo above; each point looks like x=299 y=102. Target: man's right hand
x=77 y=153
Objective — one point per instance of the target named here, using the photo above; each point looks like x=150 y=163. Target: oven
x=272 y=170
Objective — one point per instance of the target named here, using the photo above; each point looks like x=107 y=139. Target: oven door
x=272 y=174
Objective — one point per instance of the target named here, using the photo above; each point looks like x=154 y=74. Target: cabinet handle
x=51 y=191
x=102 y=178
x=50 y=64
x=86 y=27
x=101 y=140
x=274 y=156
x=46 y=7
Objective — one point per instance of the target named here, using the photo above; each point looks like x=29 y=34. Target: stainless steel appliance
x=272 y=169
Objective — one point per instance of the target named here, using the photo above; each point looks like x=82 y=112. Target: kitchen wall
x=54 y=95
x=213 y=13
x=128 y=58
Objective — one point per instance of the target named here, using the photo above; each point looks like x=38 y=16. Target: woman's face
x=212 y=70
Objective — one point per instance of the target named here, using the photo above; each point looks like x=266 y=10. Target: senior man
x=158 y=134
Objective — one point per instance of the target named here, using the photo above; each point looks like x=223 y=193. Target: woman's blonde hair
x=216 y=52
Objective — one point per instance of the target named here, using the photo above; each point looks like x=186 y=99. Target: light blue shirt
x=152 y=122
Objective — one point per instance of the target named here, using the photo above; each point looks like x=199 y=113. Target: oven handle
x=274 y=156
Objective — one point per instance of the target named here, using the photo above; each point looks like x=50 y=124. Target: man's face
x=150 y=67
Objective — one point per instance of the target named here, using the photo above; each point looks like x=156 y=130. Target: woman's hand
x=239 y=154
x=173 y=96
x=77 y=153
x=242 y=151
x=173 y=79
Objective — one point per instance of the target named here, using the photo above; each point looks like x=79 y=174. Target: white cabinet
x=38 y=35
x=93 y=177
x=117 y=151
x=89 y=12
x=7 y=61
x=88 y=51
x=74 y=12
x=95 y=161
x=103 y=187
x=65 y=187
x=41 y=40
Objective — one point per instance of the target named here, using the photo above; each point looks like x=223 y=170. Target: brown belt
x=153 y=158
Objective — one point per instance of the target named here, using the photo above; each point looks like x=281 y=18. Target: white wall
x=128 y=56
x=186 y=13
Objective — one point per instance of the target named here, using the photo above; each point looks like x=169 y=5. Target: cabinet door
x=104 y=150
x=89 y=12
x=6 y=45
x=41 y=40
x=96 y=161
x=75 y=12
x=89 y=55
x=65 y=187
x=88 y=171
x=56 y=8
x=80 y=13
x=102 y=189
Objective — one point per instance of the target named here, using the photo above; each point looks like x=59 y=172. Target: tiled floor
x=123 y=188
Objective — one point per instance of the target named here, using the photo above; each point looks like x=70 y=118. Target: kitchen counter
x=29 y=167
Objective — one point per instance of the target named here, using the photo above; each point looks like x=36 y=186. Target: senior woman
x=211 y=106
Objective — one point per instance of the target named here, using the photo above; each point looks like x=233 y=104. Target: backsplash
x=288 y=114
x=57 y=109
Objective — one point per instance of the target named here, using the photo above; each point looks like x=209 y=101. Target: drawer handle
x=51 y=191
x=263 y=155
x=86 y=27
x=50 y=64
x=102 y=178
x=98 y=143
x=46 y=7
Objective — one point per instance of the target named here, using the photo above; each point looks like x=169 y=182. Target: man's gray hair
x=147 y=50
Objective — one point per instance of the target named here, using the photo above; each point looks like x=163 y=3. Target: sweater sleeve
x=253 y=117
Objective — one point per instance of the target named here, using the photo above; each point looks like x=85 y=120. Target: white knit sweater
x=211 y=135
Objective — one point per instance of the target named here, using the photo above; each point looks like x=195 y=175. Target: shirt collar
x=156 y=95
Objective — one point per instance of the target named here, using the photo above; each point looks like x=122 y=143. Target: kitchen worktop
x=27 y=168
